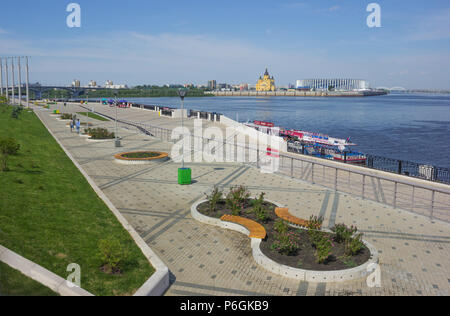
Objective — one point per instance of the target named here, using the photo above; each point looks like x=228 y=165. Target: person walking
x=78 y=125
x=71 y=126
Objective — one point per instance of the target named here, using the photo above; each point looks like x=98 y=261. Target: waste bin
x=184 y=176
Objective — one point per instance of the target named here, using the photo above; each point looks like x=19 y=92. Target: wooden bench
x=283 y=213
x=256 y=230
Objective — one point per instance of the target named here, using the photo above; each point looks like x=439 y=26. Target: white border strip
x=158 y=283
x=40 y=274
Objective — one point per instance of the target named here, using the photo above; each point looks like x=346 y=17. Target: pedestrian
x=78 y=125
x=71 y=126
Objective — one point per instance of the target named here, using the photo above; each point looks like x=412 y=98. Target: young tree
x=8 y=147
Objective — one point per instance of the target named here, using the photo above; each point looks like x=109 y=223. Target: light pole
x=117 y=142
x=6 y=73
x=87 y=102
x=1 y=76
x=28 y=96
x=13 y=94
x=184 y=174
x=20 y=82
x=182 y=93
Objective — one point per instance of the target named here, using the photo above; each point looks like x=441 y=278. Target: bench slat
x=256 y=229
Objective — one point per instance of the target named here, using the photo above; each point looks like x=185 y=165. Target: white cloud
x=334 y=8
x=137 y=58
x=435 y=27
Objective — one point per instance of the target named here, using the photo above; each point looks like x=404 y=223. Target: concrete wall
x=253 y=134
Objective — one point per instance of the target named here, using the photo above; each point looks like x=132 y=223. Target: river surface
x=411 y=127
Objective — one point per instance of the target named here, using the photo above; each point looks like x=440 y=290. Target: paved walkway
x=205 y=260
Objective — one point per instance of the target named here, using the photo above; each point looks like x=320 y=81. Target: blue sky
x=158 y=42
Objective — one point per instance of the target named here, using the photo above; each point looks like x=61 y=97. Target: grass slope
x=49 y=213
x=93 y=116
x=14 y=283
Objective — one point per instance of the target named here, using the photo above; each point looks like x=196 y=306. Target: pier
x=335 y=94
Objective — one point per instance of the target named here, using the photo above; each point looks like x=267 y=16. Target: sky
x=162 y=42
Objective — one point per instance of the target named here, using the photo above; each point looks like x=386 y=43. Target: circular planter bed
x=141 y=157
x=302 y=263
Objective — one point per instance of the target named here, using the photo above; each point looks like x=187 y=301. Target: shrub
x=281 y=226
x=99 y=133
x=112 y=255
x=16 y=112
x=323 y=248
x=354 y=245
x=259 y=210
x=343 y=233
x=67 y=116
x=214 y=198
x=286 y=244
x=314 y=226
x=236 y=199
x=8 y=147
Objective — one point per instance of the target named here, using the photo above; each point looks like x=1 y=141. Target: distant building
x=334 y=84
x=243 y=87
x=76 y=83
x=266 y=83
x=212 y=84
x=110 y=85
x=224 y=87
x=93 y=84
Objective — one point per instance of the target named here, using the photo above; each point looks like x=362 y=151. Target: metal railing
x=407 y=168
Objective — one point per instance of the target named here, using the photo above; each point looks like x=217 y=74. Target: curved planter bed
x=359 y=272
x=154 y=156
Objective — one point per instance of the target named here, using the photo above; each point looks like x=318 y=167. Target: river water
x=411 y=127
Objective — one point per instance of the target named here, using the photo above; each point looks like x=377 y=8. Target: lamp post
x=117 y=142
x=184 y=174
x=6 y=73
x=1 y=76
x=26 y=87
x=87 y=102
x=20 y=82
x=13 y=94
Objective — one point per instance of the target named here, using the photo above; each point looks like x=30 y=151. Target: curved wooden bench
x=283 y=213
x=256 y=230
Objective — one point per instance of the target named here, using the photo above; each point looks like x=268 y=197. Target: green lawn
x=49 y=213
x=94 y=116
x=14 y=283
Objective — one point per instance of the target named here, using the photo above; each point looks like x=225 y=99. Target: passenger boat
x=314 y=144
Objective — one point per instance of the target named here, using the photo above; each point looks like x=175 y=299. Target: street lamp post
x=184 y=174
x=1 y=76
x=13 y=94
x=20 y=82
x=87 y=102
x=26 y=87
x=6 y=73
x=117 y=142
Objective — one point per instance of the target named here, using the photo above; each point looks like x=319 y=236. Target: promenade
x=204 y=260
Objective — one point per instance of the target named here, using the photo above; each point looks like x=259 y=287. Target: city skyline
x=196 y=42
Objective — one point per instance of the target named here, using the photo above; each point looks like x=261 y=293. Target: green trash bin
x=184 y=176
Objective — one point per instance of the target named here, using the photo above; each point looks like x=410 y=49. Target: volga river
x=412 y=127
